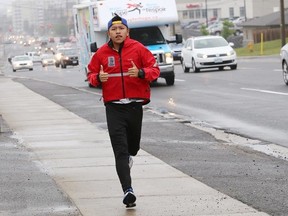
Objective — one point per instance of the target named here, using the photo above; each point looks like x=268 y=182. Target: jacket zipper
x=121 y=71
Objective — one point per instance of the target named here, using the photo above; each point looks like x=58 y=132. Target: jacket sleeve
x=93 y=71
x=150 y=66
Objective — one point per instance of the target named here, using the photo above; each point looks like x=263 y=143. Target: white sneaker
x=130 y=163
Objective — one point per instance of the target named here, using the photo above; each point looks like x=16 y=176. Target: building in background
x=205 y=10
x=42 y=17
x=54 y=17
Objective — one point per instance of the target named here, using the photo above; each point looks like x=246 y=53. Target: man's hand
x=103 y=76
x=133 y=71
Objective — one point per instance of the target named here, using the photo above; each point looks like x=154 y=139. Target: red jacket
x=119 y=85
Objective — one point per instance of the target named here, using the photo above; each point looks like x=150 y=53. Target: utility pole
x=245 y=15
x=206 y=13
x=283 y=35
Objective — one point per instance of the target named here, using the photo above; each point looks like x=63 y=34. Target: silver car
x=47 y=60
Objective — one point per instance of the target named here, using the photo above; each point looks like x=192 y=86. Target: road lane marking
x=180 y=80
x=265 y=91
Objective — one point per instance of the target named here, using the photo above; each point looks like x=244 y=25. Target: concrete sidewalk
x=78 y=156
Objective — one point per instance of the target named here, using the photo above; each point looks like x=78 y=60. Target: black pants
x=124 y=123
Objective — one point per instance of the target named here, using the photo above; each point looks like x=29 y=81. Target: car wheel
x=221 y=68
x=285 y=72
x=233 y=67
x=237 y=33
x=194 y=68
x=170 y=80
x=30 y=69
x=218 y=33
x=185 y=69
x=14 y=70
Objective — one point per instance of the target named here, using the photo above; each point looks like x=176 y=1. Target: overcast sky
x=4 y=4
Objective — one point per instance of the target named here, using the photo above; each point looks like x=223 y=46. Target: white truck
x=149 y=22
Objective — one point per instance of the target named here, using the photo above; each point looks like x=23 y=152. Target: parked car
x=217 y=28
x=21 y=62
x=47 y=60
x=284 y=62
x=239 y=20
x=207 y=52
x=192 y=24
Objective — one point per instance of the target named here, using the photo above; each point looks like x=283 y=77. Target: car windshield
x=21 y=58
x=69 y=52
x=147 y=36
x=210 y=43
x=176 y=46
x=33 y=54
x=47 y=57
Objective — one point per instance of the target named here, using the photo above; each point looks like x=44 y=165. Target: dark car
x=176 y=51
x=68 y=56
x=64 y=40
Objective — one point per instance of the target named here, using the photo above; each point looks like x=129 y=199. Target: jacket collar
x=110 y=44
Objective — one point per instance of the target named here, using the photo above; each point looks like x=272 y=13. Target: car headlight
x=58 y=56
x=169 y=58
x=66 y=58
x=200 y=55
x=232 y=52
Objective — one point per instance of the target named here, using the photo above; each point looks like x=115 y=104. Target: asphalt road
x=250 y=101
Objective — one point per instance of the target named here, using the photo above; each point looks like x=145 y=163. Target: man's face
x=118 y=33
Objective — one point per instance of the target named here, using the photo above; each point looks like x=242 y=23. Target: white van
x=34 y=56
